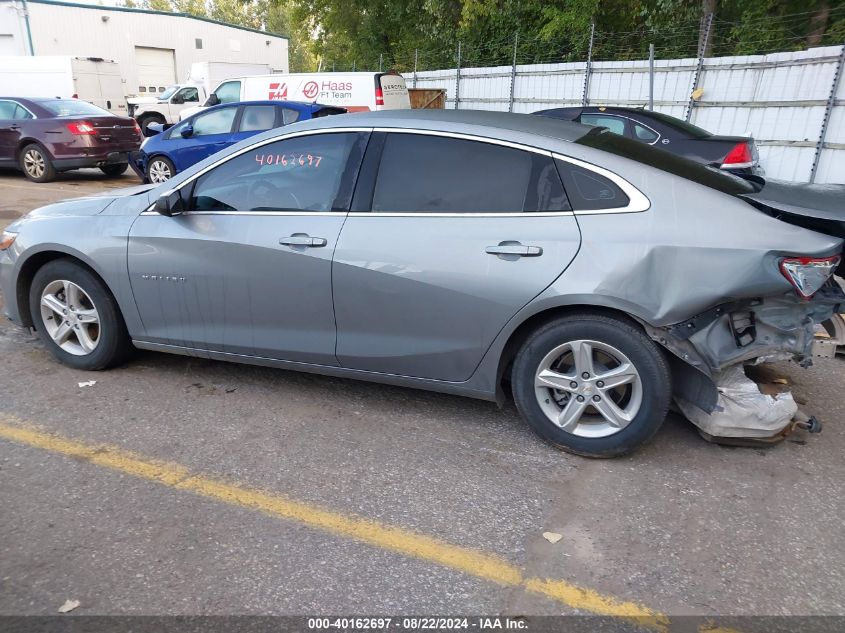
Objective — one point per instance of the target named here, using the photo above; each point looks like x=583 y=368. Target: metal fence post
x=513 y=70
x=589 y=67
x=458 y=78
x=831 y=101
x=651 y=76
x=380 y=61
x=702 y=47
x=416 y=57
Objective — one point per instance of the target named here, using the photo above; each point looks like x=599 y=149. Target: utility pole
x=831 y=100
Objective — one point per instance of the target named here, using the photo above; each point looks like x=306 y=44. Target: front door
x=461 y=234
x=246 y=269
x=210 y=132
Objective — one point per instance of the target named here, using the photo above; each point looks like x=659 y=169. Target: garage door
x=156 y=68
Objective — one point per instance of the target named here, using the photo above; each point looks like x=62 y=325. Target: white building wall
x=113 y=33
x=779 y=99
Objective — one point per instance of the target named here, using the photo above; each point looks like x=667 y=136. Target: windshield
x=164 y=96
x=602 y=139
x=72 y=107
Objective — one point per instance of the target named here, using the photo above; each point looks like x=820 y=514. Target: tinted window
x=217 y=122
x=644 y=134
x=257 y=118
x=588 y=190
x=612 y=123
x=307 y=173
x=229 y=92
x=72 y=107
x=9 y=110
x=433 y=174
x=672 y=163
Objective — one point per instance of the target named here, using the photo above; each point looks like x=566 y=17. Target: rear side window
x=258 y=118
x=644 y=134
x=612 y=123
x=588 y=191
x=289 y=115
x=434 y=174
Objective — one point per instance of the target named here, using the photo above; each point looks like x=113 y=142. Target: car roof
x=502 y=125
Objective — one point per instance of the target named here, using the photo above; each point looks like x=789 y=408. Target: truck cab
x=166 y=107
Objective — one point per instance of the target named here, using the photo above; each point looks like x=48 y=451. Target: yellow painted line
x=471 y=562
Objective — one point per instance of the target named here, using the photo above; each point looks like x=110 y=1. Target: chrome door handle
x=514 y=248
x=302 y=239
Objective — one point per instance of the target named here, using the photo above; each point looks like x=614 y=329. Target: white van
x=356 y=92
x=86 y=78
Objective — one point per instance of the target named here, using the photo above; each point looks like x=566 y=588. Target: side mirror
x=187 y=131
x=177 y=99
x=169 y=203
x=212 y=100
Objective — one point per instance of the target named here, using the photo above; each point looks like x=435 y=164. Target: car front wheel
x=592 y=384
x=159 y=170
x=76 y=316
x=36 y=164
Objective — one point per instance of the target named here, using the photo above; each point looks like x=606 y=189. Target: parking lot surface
x=185 y=486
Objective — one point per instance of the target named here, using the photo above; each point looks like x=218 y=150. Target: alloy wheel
x=588 y=388
x=70 y=317
x=33 y=162
x=159 y=172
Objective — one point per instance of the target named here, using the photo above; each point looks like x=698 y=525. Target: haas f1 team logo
x=310 y=89
x=278 y=91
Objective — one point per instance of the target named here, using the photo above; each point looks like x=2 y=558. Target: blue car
x=164 y=155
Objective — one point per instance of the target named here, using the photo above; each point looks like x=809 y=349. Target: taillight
x=808 y=274
x=739 y=156
x=137 y=128
x=379 y=97
x=81 y=128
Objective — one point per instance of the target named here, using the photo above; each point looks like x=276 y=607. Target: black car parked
x=734 y=153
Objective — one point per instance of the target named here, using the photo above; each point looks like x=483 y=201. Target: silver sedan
x=475 y=253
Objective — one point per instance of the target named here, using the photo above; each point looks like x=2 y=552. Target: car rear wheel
x=592 y=384
x=76 y=316
x=36 y=164
x=160 y=169
x=114 y=170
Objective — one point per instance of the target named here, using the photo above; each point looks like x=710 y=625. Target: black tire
x=165 y=163
x=145 y=120
x=36 y=164
x=112 y=171
x=113 y=345
x=624 y=336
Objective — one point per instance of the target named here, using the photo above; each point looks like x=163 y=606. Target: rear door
x=212 y=131
x=393 y=92
x=12 y=118
x=449 y=237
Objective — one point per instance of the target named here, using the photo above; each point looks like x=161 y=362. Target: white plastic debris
x=87 y=383
x=742 y=410
x=552 y=537
x=69 y=605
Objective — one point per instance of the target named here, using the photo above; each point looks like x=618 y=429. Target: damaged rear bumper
x=714 y=344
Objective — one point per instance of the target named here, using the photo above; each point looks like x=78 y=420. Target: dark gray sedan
x=463 y=252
